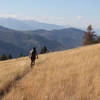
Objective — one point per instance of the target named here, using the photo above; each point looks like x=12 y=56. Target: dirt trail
x=14 y=82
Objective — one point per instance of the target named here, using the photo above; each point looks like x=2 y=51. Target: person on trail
x=33 y=55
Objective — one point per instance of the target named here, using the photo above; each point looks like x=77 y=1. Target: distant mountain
x=8 y=48
x=69 y=38
x=27 y=24
x=23 y=41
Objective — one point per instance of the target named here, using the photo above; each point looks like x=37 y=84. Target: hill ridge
x=54 y=40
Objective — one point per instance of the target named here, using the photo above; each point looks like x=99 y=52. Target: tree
x=44 y=50
x=3 y=57
x=9 y=56
x=90 y=36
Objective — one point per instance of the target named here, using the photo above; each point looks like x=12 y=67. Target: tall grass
x=67 y=75
x=10 y=71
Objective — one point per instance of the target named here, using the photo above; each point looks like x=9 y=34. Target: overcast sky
x=77 y=13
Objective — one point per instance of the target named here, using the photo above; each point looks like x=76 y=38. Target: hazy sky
x=77 y=13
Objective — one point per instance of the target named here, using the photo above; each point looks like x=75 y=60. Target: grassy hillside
x=67 y=75
x=10 y=71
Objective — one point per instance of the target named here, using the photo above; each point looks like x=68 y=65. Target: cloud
x=8 y=15
x=79 y=17
x=16 y=16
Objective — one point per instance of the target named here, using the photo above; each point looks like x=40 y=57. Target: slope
x=10 y=71
x=66 y=75
x=69 y=37
x=55 y=40
x=25 y=42
x=9 y=48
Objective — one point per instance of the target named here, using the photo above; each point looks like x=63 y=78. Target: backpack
x=33 y=56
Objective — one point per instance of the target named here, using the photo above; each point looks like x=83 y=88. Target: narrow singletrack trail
x=16 y=80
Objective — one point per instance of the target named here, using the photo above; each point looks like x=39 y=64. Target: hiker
x=33 y=55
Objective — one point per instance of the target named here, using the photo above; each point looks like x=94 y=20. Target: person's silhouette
x=33 y=56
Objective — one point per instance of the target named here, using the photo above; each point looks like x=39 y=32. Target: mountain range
x=17 y=24
x=16 y=42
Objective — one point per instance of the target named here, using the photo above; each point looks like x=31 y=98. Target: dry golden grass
x=11 y=70
x=67 y=75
